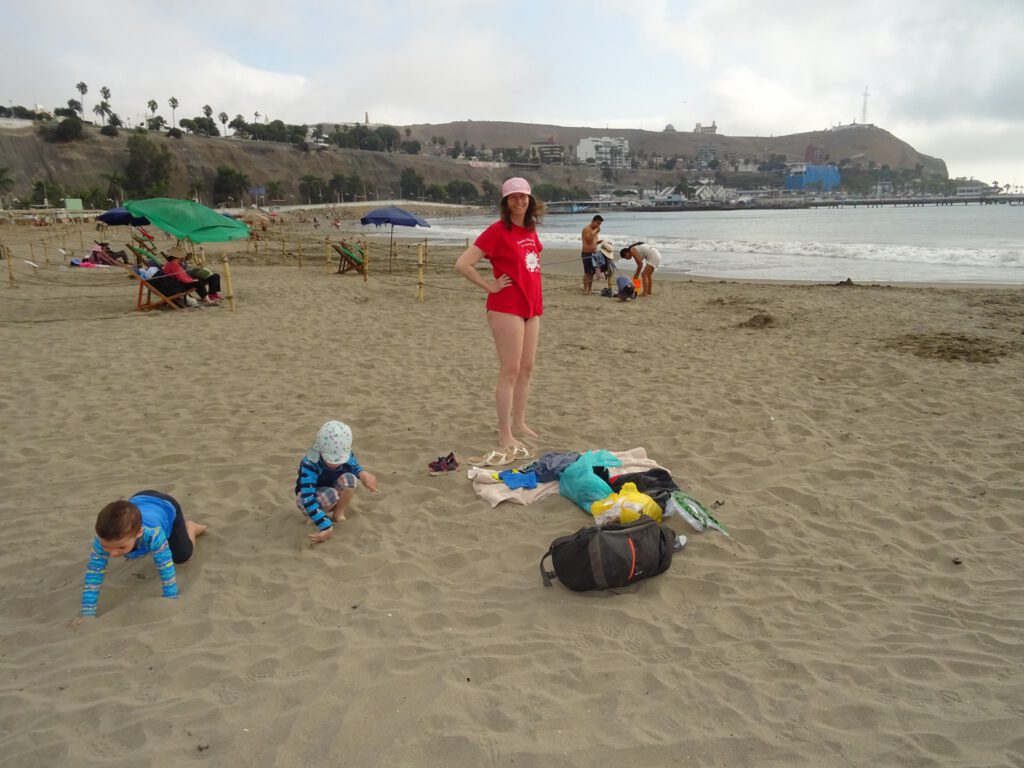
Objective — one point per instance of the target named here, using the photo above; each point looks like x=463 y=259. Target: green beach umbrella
x=188 y=220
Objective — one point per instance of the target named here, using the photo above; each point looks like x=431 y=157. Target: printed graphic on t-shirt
x=530 y=256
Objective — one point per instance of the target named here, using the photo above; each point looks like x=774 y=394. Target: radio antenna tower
x=864 y=109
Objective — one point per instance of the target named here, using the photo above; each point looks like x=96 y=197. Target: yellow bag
x=627 y=505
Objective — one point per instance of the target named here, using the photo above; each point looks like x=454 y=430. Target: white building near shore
x=603 y=151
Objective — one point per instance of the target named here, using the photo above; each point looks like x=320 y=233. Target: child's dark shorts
x=178 y=541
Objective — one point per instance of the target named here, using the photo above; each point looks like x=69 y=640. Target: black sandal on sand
x=443 y=464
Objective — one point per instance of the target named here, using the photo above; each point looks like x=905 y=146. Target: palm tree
x=83 y=89
x=115 y=186
x=152 y=106
x=105 y=93
x=257 y=116
x=100 y=110
x=223 y=117
x=274 y=190
x=208 y=111
x=173 y=104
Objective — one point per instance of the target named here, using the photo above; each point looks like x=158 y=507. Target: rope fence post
x=366 y=260
x=327 y=255
x=419 y=258
x=229 y=284
x=12 y=283
x=299 y=256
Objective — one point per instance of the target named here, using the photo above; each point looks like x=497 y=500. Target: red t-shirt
x=514 y=252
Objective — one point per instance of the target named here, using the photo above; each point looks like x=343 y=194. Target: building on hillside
x=604 y=151
x=816 y=178
x=547 y=152
x=708 y=129
x=814 y=154
x=705 y=155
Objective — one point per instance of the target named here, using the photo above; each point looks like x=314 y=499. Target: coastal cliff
x=83 y=164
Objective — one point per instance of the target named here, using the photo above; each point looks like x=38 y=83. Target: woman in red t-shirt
x=514 y=307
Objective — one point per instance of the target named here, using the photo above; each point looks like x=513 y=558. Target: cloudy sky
x=943 y=75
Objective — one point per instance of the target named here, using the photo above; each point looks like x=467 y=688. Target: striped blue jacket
x=153 y=541
x=314 y=474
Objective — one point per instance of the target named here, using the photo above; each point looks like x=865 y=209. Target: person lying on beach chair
x=144 y=258
x=205 y=282
x=157 y=290
x=350 y=258
x=103 y=254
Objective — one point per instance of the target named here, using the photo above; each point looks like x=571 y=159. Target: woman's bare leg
x=508 y=332
x=521 y=390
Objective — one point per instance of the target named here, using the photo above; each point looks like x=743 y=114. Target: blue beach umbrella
x=121 y=217
x=393 y=215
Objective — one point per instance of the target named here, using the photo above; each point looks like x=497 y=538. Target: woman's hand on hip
x=499 y=283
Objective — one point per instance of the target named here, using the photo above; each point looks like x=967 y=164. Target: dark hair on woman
x=624 y=253
x=534 y=213
x=118 y=520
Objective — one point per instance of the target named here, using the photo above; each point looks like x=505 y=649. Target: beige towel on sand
x=494 y=491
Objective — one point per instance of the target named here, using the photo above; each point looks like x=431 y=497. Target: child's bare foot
x=338 y=514
x=194 y=530
x=522 y=429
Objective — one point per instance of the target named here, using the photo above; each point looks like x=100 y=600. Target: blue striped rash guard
x=156 y=515
x=315 y=474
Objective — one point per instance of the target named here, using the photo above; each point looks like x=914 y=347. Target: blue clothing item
x=514 y=479
x=314 y=474
x=157 y=520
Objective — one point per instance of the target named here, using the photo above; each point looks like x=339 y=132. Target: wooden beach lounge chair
x=150 y=294
x=144 y=258
x=349 y=258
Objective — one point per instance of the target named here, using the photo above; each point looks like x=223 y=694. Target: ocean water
x=954 y=244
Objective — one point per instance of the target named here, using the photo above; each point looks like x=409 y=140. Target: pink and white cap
x=333 y=443
x=513 y=185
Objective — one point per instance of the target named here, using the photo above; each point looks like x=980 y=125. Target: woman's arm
x=465 y=265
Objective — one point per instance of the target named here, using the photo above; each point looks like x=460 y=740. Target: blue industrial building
x=812 y=178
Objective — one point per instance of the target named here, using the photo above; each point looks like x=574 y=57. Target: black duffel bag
x=609 y=557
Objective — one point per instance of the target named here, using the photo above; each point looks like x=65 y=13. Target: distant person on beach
x=328 y=476
x=647 y=260
x=206 y=282
x=590 y=243
x=149 y=523
x=514 y=306
x=625 y=290
x=604 y=261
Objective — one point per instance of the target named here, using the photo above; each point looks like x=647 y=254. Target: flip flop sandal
x=499 y=457
x=522 y=453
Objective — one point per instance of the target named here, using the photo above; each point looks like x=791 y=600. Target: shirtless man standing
x=589 y=235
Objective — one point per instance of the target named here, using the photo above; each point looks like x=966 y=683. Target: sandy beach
x=866 y=445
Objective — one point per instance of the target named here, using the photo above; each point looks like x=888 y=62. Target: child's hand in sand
x=321 y=536
x=369 y=481
x=76 y=622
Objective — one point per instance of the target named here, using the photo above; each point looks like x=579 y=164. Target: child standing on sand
x=328 y=476
x=150 y=522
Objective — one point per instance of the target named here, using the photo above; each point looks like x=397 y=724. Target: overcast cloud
x=942 y=75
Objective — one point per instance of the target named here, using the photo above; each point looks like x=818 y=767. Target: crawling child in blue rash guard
x=328 y=476
x=149 y=523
